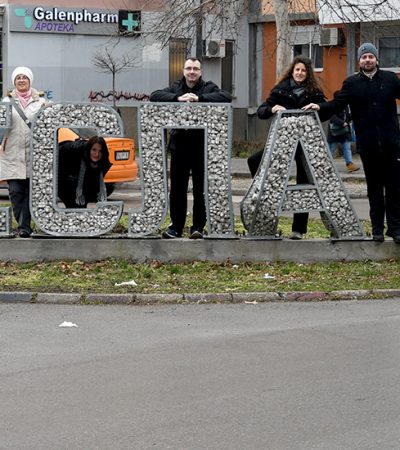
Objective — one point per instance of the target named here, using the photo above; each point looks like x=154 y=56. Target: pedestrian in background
x=187 y=149
x=339 y=132
x=371 y=95
x=15 y=147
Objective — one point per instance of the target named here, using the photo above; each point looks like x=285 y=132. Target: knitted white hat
x=22 y=71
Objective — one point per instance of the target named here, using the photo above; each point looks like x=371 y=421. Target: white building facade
x=59 y=44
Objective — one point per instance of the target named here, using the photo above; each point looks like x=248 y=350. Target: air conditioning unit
x=214 y=48
x=331 y=37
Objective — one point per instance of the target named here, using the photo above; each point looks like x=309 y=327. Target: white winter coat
x=15 y=151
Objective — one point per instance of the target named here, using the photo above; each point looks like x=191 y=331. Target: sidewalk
x=241 y=170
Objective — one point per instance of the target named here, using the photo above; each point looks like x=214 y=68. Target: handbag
x=28 y=123
x=338 y=130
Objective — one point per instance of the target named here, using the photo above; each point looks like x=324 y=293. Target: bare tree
x=201 y=19
x=197 y=20
x=108 y=61
x=283 y=49
x=331 y=11
x=348 y=11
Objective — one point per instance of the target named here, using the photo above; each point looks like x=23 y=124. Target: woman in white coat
x=15 y=148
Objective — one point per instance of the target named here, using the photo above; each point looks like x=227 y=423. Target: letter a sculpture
x=271 y=193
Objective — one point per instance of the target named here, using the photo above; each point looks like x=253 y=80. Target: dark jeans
x=382 y=174
x=299 y=219
x=19 y=196
x=187 y=158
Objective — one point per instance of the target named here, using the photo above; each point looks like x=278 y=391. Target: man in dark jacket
x=371 y=95
x=187 y=149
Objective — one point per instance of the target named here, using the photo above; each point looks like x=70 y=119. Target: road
x=279 y=376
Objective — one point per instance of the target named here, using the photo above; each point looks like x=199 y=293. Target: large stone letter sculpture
x=5 y=213
x=48 y=216
x=270 y=195
x=154 y=119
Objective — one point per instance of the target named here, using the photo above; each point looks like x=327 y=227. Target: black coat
x=70 y=156
x=207 y=91
x=282 y=94
x=373 y=109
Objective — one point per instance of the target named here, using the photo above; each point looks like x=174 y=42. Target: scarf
x=80 y=197
x=297 y=89
x=24 y=97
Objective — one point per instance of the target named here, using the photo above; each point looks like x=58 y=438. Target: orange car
x=121 y=153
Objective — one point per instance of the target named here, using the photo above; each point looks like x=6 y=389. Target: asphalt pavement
x=320 y=375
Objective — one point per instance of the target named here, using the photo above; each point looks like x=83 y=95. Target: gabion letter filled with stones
x=270 y=193
x=5 y=221
x=44 y=158
x=154 y=119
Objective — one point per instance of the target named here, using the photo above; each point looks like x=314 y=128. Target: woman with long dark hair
x=297 y=87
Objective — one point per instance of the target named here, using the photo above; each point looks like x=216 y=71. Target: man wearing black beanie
x=371 y=95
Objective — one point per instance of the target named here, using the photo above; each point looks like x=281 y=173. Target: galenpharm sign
x=42 y=19
x=83 y=15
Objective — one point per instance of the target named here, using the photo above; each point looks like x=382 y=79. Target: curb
x=164 y=299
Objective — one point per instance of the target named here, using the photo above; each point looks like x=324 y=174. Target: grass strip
x=197 y=277
x=202 y=277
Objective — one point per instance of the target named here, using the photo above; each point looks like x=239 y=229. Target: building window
x=178 y=49
x=227 y=68
x=305 y=40
x=389 y=52
x=312 y=51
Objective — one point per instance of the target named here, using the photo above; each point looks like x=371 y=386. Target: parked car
x=121 y=153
